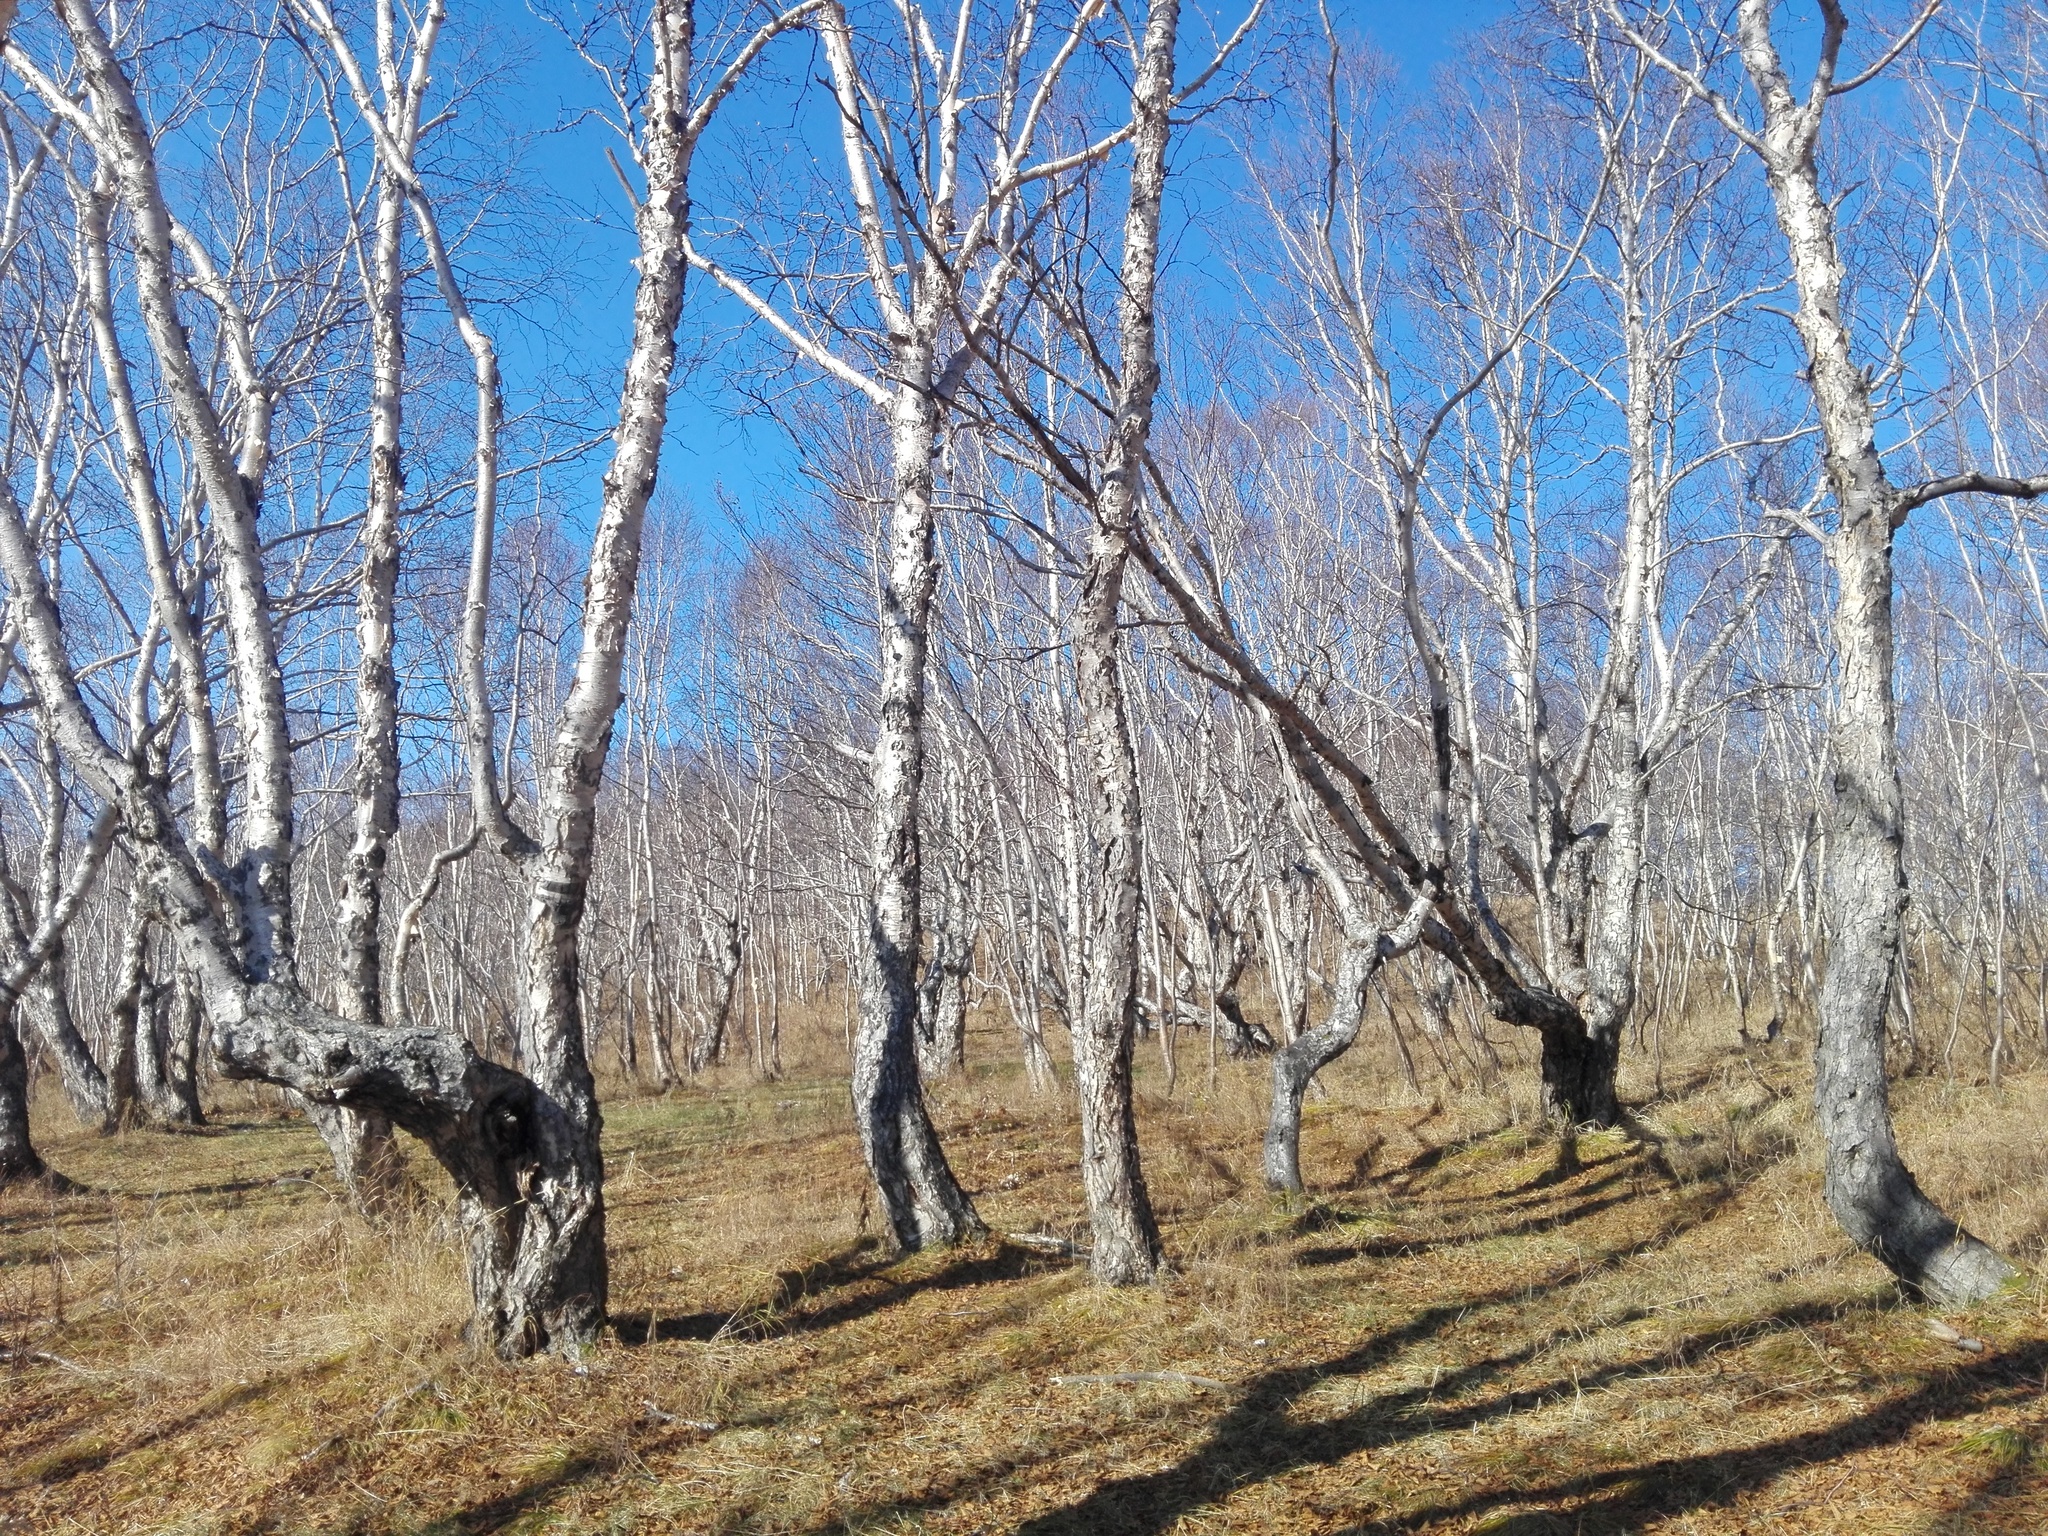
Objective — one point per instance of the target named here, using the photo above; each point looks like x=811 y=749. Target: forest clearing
x=1448 y=1337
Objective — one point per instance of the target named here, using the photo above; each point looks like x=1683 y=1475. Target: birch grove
x=1549 y=567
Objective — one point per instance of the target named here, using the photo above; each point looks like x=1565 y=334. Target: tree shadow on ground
x=1260 y=1439
x=783 y=1312
x=1621 y=1499
x=515 y=1504
x=1410 y=1247
x=856 y=1262
x=1256 y=1438
x=62 y=1453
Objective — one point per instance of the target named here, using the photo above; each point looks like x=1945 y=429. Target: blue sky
x=718 y=455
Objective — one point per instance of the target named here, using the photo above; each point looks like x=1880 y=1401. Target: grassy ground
x=1455 y=1337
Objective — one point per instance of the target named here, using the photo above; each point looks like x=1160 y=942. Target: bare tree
x=1871 y=1191
x=523 y=1149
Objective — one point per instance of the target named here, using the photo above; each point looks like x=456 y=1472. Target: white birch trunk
x=1868 y=1186
x=922 y=1200
x=1126 y=1248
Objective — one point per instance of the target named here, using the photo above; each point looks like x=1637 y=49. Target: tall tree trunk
x=1867 y=1183
x=924 y=1203
x=231 y=480
x=1126 y=1247
x=509 y=1146
x=1613 y=931
x=559 y=1277
x=365 y=1153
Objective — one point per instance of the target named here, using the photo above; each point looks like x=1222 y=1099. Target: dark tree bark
x=1578 y=1067
x=19 y=1159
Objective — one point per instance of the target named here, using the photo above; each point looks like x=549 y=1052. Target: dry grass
x=1456 y=1338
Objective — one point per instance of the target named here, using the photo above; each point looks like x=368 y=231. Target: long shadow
x=91 y=1454
x=1178 y=1496
x=1540 y=1190
x=1544 y=1184
x=858 y=1261
x=781 y=1315
x=500 y=1513
x=1622 y=1499
x=1646 y=1145
x=1008 y=1262
x=1192 y=1149
x=1258 y=1440
x=84 y=1207
x=1548 y=1215
x=1277 y=1389
x=1402 y=1248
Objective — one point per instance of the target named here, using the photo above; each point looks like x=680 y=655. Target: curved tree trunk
x=1868 y=1186
x=1296 y=1064
x=85 y=1084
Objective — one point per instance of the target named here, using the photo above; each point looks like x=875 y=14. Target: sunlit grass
x=1455 y=1331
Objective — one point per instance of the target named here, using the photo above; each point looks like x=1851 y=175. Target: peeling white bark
x=1868 y=1185
x=1125 y=1247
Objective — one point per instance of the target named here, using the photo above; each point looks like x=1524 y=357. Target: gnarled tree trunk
x=1295 y=1065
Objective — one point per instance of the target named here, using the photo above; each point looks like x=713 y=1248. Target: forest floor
x=1458 y=1335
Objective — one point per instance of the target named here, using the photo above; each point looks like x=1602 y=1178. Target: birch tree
x=933 y=250
x=1869 y=1187
x=522 y=1147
